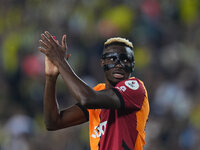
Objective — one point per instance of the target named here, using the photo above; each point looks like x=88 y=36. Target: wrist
x=51 y=77
x=63 y=64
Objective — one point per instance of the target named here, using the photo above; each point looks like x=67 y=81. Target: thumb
x=67 y=56
x=64 y=43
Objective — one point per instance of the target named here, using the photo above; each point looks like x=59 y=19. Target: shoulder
x=132 y=92
x=132 y=84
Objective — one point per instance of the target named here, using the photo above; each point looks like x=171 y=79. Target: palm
x=50 y=68
x=46 y=45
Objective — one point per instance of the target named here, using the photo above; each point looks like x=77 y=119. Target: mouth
x=118 y=74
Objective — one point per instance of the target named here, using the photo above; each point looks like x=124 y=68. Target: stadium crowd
x=166 y=36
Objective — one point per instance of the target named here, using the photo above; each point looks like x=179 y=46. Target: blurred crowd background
x=166 y=36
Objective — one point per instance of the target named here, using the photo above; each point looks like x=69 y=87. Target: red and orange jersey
x=124 y=128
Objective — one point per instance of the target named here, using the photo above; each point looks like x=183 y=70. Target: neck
x=109 y=84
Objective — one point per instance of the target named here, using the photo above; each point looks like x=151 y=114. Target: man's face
x=117 y=63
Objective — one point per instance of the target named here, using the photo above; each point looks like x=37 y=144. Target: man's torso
x=121 y=129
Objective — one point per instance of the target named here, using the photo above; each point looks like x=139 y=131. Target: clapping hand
x=55 y=53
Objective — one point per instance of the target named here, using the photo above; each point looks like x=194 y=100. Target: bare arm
x=79 y=90
x=54 y=118
x=84 y=94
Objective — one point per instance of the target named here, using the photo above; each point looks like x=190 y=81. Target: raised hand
x=55 y=52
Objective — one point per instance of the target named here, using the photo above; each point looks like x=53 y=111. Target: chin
x=118 y=80
x=115 y=81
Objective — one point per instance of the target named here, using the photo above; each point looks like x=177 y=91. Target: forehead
x=118 y=49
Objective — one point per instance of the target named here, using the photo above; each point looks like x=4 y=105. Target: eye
x=125 y=60
x=112 y=58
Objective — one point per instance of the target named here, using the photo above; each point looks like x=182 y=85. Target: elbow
x=84 y=102
x=87 y=98
x=50 y=126
x=87 y=102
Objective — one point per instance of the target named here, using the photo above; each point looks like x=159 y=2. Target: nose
x=118 y=64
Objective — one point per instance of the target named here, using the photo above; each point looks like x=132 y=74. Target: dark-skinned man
x=117 y=110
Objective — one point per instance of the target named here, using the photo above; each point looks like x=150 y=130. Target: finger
x=42 y=44
x=41 y=49
x=50 y=38
x=64 y=42
x=45 y=40
x=67 y=56
x=55 y=39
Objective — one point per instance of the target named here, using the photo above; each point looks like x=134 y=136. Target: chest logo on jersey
x=99 y=130
x=132 y=84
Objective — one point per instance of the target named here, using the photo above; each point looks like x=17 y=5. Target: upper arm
x=103 y=99
x=71 y=116
x=126 y=94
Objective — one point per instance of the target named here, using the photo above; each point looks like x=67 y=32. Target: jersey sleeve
x=131 y=93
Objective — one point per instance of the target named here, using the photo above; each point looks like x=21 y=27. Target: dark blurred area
x=166 y=36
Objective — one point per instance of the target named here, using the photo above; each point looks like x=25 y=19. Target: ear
x=102 y=63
